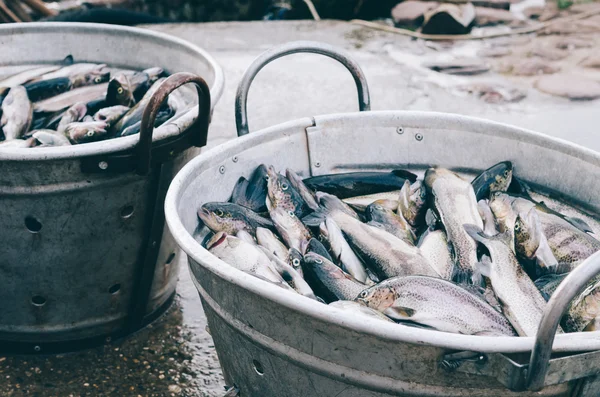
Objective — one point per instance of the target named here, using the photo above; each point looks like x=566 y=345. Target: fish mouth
x=217 y=239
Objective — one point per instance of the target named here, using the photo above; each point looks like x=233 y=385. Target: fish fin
x=579 y=224
x=475 y=232
x=399 y=312
x=518 y=187
x=239 y=191
x=316 y=218
x=406 y=175
x=545 y=257
x=478 y=235
x=462 y=276
x=68 y=60
x=484 y=268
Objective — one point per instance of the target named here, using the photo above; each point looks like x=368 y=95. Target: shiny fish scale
x=522 y=302
x=455 y=202
x=434 y=302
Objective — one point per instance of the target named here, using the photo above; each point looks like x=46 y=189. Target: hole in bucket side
x=32 y=224
x=38 y=301
x=127 y=211
x=170 y=258
x=114 y=289
x=258 y=367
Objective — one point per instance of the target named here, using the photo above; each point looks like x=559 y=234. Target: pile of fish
x=74 y=103
x=475 y=258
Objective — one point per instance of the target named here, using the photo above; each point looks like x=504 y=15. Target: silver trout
x=522 y=302
x=455 y=203
x=436 y=303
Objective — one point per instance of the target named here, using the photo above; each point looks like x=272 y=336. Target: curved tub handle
x=241 y=98
x=199 y=129
x=558 y=304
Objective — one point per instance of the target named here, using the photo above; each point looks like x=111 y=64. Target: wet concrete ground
x=175 y=356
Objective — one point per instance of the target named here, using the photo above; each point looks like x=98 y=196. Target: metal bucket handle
x=241 y=98
x=558 y=304
x=198 y=130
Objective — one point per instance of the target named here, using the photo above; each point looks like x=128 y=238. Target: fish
x=531 y=243
x=387 y=199
x=231 y=218
x=252 y=193
x=43 y=89
x=389 y=221
x=163 y=114
x=290 y=275
x=497 y=178
x=354 y=184
x=435 y=248
x=126 y=89
x=69 y=98
x=247 y=237
x=548 y=283
x=50 y=138
x=521 y=301
x=341 y=250
x=111 y=115
x=154 y=73
x=98 y=75
x=290 y=228
x=569 y=244
x=243 y=256
x=267 y=239
x=86 y=131
x=71 y=115
x=384 y=253
x=282 y=194
x=27 y=75
x=436 y=303
x=73 y=70
x=328 y=203
x=294 y=259
x=359 y=309
x=17 y=113
x=455 y=204
x=317 y=247
x=329 y=281
x=412 y=203
x=487 y=216
x=307 y=195
x=583 y=313
x=18 y=143
x=134 y=115
x=95 y=105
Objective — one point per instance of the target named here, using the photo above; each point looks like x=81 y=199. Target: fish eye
x=506 y=173
x=266 y=177
x=97 y=80
x=517 y=226
x=120 y=90
x=219 y=213
x=90 y=133
x=296 y=262
x=284 y=186
x=378 y=207
x=319 y=261
x=291 y=213
x=363 y=294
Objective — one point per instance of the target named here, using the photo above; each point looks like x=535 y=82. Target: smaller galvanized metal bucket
x=272 y=342
x=85 y=256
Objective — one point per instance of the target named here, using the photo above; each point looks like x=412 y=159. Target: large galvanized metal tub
x=273 y=343
x=85 y=256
